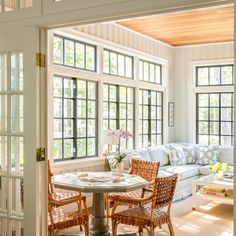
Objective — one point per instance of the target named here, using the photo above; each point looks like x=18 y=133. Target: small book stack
x=216 y=191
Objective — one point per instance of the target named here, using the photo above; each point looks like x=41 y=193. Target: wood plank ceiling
x=202 y=26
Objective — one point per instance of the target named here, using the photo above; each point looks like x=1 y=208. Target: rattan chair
x=61 y=198
x=60 y=218
x=147 y=217
x=145 y=169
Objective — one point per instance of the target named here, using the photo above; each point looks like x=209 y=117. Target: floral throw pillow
x=207 y=154
x=190 y=153
x=176 y=154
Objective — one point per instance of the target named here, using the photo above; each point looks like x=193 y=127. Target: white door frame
x=65 y=16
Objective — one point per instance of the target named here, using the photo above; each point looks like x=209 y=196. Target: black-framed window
x=118 y=111
x=214 y=75
x=75 y=118
x=150 y=118
x=150 y=72
x=118 y=64
x=73 y=53
x=215 y=118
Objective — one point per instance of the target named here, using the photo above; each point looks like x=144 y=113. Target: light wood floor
x=211 y=219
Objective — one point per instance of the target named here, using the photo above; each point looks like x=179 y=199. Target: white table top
x=211 y=180
x=98 y=182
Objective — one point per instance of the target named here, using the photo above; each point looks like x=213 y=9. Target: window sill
x=70 y=165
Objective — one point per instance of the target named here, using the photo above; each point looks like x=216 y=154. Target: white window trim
x=101 y=79
x=193 y=90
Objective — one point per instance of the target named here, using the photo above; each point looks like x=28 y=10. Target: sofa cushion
x=160 y=154
x=207 y=154
x=204 y=170
x=226 y=155
x=176 y=154
x=184 y=171
x=190 y=152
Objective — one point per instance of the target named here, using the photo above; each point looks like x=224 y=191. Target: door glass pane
x=3 y=153
x=17 y=154
x=3 y=72
x=3 y=112
x=17 y=113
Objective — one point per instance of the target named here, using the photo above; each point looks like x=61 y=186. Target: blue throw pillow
x=207 y=154
x=190 y=152
x=176 y=154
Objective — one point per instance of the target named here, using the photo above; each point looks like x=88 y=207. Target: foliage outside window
x=117 y=64
x=118 y=111
x=75 y=118
x=150 y=72
x=214 y=75
x=72 y=53
x=215 y=118
x=150 y=118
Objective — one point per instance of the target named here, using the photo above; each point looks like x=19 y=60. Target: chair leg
x=140 y=231
x=171 y=229
x=86 y=229
x=152 y=231
x=108 y=210
x=114 y=228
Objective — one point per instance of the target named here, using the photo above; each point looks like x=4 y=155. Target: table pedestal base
x=99 y=226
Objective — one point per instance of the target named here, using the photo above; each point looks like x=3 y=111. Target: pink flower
x=121 y=133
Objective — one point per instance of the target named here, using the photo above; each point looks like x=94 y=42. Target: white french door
x=18 y=133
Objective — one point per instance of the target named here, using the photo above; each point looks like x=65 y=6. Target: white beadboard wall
x=123 y=36
x=183 y=56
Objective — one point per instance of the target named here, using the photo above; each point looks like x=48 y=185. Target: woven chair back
x=145 y=169
x=164 y=188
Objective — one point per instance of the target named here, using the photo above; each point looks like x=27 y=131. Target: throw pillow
x=190 y=153
x=176 y=154
x=207 y=154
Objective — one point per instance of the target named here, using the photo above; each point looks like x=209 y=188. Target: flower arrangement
x=121 y=133
x=219 y=167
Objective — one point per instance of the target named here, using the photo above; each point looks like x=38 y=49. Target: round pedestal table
x=99 y=183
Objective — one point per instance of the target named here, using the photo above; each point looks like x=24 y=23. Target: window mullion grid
x=220 y=121
x=232 y=117
x=149 y=117
x=142 y=118
x=86 y=135
x=75 y=118
x=118 y=109
x=126 y=120
x=63 y=119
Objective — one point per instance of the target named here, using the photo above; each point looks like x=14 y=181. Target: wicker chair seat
x=127 y=198
x=63 y=219
x=140 y=216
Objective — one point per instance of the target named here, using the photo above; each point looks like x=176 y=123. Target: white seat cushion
x=184 y=172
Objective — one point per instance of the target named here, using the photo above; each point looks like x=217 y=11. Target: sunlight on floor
x=210 y=219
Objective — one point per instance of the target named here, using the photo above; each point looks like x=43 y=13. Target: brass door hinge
x=41 y=154
x=40 y=60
